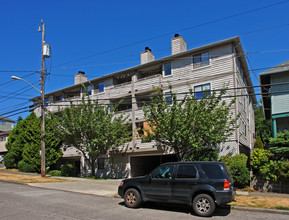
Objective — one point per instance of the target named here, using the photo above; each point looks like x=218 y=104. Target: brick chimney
x=178 y=44
x=80 y=77
x=146 y=56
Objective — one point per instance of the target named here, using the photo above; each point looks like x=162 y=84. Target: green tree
x=189 y=124
x=24 y=143
x=262 y=126
x=92 y=128
x=258 y=143
x=280 y=145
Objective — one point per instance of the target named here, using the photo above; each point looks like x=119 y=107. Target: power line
x=14 y=106
x=184 y=29
x=16 y=113
x=236 y=55
x=19 y=71
x=14 y=96
x=15 y=110
x=12 y=81
x=133 y=55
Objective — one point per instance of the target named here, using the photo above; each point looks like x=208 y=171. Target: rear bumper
x=224 y=197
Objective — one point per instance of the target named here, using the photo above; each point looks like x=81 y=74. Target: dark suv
x=201 y=185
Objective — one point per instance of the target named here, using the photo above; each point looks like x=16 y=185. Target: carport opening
x=142 y=165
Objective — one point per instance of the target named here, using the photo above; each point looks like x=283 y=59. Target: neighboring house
x=276 y=104
x=6 y=125
x=208 y=67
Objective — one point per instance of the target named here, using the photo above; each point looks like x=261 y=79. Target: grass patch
x=261 y=202
x=21 y=178
x=282 y=208
x=10 y=170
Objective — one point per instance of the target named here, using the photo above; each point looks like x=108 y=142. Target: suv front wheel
x=204 y=205
x=132 y=198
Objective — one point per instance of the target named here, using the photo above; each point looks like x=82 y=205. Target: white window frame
x=97 y=84
x=201 y=66
x=169 y=95
x=202 y=85
x=170 y=62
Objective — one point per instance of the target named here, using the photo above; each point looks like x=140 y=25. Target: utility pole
x=42 y=82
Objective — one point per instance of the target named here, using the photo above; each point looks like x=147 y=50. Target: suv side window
x=213 y=171
x=187 y=171
x=165 y=171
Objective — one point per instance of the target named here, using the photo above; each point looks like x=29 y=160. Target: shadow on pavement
x=220 y=210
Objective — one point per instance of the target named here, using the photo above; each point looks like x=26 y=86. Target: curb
x=15 y=182
x=251 y=209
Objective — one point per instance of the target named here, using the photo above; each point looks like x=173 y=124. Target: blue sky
x=104 y=36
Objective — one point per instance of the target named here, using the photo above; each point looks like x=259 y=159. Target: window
x=187 y=171
x=167 y=69
x=58 y=98
x=46 y=102
x=213 y=171
x=202 y=90
x=201 y=59
x=165 y=171
x=168 y=96
x=89 y=90
x=2 y=122
x=101 y=87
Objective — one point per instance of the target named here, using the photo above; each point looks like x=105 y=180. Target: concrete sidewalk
x=107 y=188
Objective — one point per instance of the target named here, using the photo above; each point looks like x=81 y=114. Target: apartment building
x=208 y=67
x=276 y=104
x=6 y=125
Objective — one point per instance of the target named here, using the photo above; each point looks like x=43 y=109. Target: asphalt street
x=23 y=202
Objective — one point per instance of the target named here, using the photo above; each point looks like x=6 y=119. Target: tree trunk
x=92 y=164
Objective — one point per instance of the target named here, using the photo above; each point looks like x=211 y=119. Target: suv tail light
x=226 y=185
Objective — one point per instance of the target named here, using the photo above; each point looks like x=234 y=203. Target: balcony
x=121 y=89
x=147 y=83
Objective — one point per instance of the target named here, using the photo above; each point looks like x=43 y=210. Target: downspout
x=234 y=57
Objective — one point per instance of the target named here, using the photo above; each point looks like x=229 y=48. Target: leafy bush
x=240 y=173
x=237 y=167
x=284 y=170
x=68 y=170
x=10 y=161
x=259 y=158
x=54 y=173
x=239 y=158
x=203 y=154
x=26 y=167
x=270 y=170
x=259 y=144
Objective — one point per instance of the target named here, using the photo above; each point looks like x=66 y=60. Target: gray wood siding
x=147 y=83
x=280 y=102
x=246 y=122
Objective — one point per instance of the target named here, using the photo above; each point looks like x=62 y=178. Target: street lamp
x=18 y=78
x=42 y=125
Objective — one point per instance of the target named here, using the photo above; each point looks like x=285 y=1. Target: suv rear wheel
x=132 y=198
x=204 y=205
